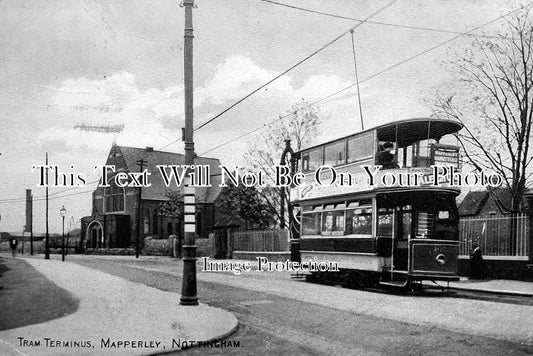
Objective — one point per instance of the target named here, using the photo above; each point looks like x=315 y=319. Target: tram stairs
x=395 y=278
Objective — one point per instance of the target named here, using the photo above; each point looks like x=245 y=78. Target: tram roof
x=407 y=131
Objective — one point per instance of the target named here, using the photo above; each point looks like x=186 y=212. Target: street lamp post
x=63 y=212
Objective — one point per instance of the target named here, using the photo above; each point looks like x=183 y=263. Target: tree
x=247 y=204
x=240 y=201
x=494 y=101
x=173 y=207
x=300 y=125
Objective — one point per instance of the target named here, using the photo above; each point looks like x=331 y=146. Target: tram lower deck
x=396 y=237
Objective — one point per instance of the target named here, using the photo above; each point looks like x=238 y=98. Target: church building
x=112 y=223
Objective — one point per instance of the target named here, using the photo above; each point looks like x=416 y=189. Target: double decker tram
x=398 y=231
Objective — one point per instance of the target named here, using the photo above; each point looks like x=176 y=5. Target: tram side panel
x=350 y=253
x=429 y=259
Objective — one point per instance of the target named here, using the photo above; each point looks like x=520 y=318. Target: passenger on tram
x=386 y=157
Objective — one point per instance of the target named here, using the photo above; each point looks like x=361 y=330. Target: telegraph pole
x=29 y=217
x=141 y=164
x=188 y=288
x=47 y=238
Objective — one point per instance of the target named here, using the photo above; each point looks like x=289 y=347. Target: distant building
x=496 y=201
x=114 y=209
x=5 y=236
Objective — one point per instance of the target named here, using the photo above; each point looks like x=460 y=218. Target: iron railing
x=496 y=235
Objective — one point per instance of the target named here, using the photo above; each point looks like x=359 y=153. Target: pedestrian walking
x=13 y=244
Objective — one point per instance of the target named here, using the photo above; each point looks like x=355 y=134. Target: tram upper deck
x=409 y=147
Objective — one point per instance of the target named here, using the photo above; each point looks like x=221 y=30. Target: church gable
x=116 y=158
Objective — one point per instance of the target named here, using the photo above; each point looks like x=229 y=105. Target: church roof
x=127 y=157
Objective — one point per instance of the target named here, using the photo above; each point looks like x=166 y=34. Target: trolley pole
x=188 y=288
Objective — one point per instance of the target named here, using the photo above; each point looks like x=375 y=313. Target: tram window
x=340 y=206
x=353 y=204
x=360 y=147
x=359 y=221
x=312 y=159
x=446 y=226
x=404 y=227
x=405 y=156
x=425 y=147
x=311 y=224
x=360 y=203
x=423 y=228
x=336 y=154
x=444 y=214
x=385 y=222
x=365 y=202
x=333 y=222
x=422 y=153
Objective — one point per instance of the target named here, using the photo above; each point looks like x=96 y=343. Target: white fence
x=261 y=240
x=494 y=235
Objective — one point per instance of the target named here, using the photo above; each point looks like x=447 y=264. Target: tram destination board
x=445 y=155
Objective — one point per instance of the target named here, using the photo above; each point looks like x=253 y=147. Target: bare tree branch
x=494 y=101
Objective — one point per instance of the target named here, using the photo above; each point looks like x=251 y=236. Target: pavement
x=115 y=317
x=499 y=286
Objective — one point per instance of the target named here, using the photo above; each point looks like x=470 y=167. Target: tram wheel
x=312 y=278
x=414 y=287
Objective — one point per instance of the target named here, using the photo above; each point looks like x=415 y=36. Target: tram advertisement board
x=365 y=180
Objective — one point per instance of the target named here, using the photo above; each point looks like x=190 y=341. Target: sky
x=65 y=63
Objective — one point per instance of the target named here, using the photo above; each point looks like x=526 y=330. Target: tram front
x=417 y=223
x=417 y=233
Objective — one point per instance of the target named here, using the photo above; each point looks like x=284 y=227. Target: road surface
x=280 y=315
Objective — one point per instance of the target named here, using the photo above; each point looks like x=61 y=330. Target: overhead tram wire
x=281 y=117
x=445 y=42
x=42 y=198
x=421 y=28
x=269 y=82
x=357 y=82
x=334 y=93
x=292 y=67
x=38 y=198
x=371 y=76
x=343 y=89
